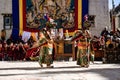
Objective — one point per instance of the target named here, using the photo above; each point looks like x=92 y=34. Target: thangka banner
x=33 y=15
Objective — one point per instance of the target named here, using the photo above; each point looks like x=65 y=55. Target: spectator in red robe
x=5 y=51
x=10 y=51
x=1 y=52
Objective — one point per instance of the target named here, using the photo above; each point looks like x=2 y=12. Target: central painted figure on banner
x=59 y=13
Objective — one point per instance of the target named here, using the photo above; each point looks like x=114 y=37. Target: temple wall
x=99 y=8
x=5 y=7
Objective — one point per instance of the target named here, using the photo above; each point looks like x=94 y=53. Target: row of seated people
x=15 y=51
x=100 y=43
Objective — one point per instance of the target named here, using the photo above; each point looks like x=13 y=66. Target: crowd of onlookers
x=107 y=39
x=14 y=50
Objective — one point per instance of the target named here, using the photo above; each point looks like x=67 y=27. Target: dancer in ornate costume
x=45 y=44
x=82 y=58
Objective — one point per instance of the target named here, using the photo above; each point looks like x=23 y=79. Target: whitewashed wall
x=117 y=20
x=5 y=7
x=100 y=9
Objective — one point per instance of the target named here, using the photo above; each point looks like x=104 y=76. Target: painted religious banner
x=49 y=13
x=33 y=15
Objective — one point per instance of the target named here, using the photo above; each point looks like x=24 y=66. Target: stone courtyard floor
x=63 y=70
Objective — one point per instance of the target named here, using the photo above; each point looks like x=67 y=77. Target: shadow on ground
x=108 y=73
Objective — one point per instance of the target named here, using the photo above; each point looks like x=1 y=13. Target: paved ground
x=61 y=71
